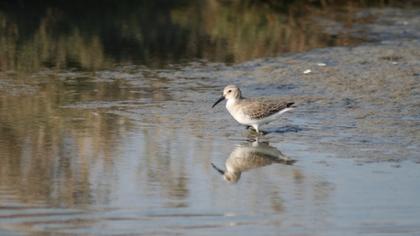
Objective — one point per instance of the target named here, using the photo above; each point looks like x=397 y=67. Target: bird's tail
x=286 y=161
x=291 y=105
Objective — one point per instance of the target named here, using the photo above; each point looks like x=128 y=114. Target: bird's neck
x=232 y=101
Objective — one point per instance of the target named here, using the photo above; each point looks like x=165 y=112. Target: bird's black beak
x=218 y=170
x=219 y=100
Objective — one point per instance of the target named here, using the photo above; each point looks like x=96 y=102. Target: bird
x=249 y=156
x=252 y=112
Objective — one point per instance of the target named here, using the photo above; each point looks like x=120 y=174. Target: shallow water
x=127 y=149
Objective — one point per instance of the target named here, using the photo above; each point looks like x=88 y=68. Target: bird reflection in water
x=249 y=156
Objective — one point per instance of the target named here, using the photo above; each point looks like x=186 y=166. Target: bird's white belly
x=238 y=115
x=242 y=118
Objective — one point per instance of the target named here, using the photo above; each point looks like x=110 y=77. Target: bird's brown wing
x=258 y=109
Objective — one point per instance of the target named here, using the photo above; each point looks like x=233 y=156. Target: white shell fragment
x=307 y=71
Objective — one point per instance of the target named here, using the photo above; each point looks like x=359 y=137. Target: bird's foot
x=255 y=132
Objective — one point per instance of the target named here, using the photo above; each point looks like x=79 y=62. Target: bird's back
x=261 y=108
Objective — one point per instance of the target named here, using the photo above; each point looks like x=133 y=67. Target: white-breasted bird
x=252 y=111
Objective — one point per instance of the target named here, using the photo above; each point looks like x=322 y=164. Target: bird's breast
x=237 y=113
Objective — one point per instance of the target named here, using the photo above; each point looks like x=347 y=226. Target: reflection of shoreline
x=251 y=156
x=58 y=36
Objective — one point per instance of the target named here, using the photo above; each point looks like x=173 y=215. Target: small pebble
x=321 y=64
x=307 y=71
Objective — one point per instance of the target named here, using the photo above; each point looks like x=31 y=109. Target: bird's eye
x=229 y=91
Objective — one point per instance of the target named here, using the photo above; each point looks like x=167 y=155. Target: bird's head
x=229 y=92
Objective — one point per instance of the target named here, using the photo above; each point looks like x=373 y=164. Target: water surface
x=91 y=36
x=124 y=146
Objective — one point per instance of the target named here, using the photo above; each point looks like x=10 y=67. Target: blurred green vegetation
x=91 y=35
